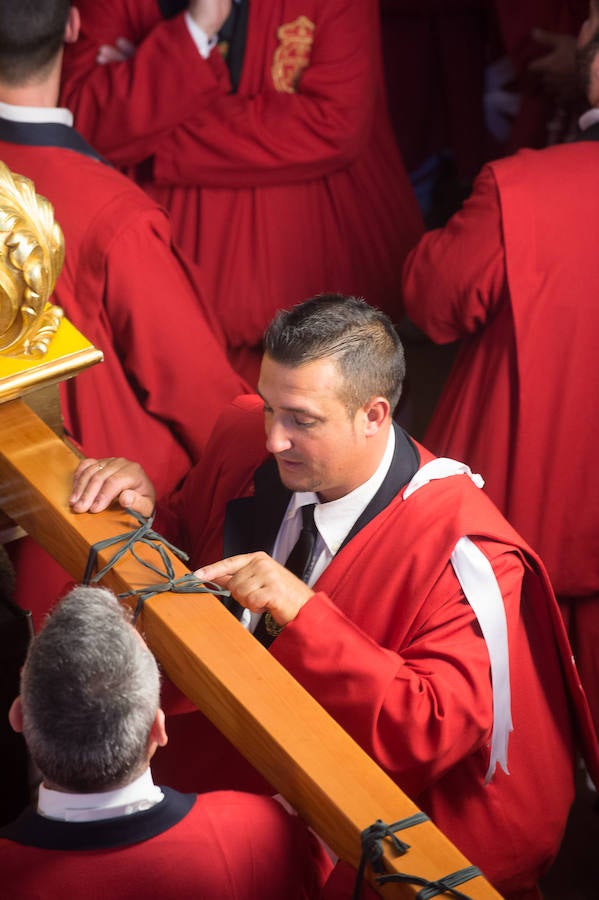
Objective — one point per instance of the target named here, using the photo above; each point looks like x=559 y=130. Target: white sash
x=477 y=579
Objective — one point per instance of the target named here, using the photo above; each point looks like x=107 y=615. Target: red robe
x=165 y=376
x=389 y=647
x=217 y=845
x=289 y=187
x=516 y=275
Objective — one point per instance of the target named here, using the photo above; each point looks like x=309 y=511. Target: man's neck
x=39 y=93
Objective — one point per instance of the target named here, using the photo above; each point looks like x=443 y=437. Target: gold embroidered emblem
x=292 y=55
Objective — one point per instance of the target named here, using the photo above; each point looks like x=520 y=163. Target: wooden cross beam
x=244 y=691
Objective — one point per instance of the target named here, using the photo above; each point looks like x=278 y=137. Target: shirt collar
x=335 y=518
x=37 y=114
x=590 y=117
x=133 y=797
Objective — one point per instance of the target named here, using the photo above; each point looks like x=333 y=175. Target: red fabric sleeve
x=418 y=712
x=180 y=372
x=276 y=137
x=455 y=277
x=121 y=108
x=193 y=516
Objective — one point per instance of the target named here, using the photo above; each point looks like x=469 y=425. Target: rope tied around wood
x=145 y=534
x=372 y=853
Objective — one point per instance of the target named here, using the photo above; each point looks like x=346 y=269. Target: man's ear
x=158 y=736
x=377 y=410
x=73 y=26
x=15 y=715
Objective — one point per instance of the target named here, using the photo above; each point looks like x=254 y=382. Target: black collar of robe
x=34 y=830
x=46 y=134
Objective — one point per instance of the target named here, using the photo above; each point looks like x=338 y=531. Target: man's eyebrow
x=300 y=410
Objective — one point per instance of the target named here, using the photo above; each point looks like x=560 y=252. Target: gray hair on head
x=90 y=690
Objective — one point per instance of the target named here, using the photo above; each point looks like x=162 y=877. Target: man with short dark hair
x=89 y=710
x=421 y=621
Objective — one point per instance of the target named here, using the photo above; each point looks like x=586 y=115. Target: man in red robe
x=165 y=375
x=422 y=623
x=279 y=166
x=515 y=276
x=102 y=828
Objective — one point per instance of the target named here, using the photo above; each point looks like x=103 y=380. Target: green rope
x=145 y=534
x=372 y=852
x=445 y=885
x=372 y=849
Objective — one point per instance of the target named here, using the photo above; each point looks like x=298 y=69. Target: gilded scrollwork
x=31 y=257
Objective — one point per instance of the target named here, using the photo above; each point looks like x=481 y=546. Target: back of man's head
x=31 y=35
x=358 y=337
x=89 y=695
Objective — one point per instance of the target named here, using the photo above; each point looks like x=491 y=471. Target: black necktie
x=300 y=559
x=232 y=39
x=301 y=562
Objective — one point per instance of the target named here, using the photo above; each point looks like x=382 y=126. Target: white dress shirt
x=203 y=42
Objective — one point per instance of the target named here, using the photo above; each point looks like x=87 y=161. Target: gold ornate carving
x=292 y=55
x=31 y=257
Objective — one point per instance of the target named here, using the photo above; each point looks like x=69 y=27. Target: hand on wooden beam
x=98 y=482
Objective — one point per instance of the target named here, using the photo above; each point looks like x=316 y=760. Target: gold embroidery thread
x=292 y=56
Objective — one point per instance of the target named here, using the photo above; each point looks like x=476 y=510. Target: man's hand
x=557 y=68
x=209 y=15
x=122 y=50
x=97 y=482
x=259 y=583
